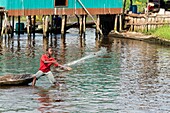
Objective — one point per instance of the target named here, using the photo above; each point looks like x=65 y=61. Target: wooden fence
x=141 y=22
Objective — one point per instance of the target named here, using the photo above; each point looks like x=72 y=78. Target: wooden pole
x=123 y=16
x=34 y=22
x=1 y=21
x=19 y=25
x=3 y=25
x=28 y=25
x=80 y=24
x=98 y=25
x=63 y=25
x=56 y=23
x=84 y=23
x=89 y=15
x=45 y=25
x=52 y=23
x=120 y=22
x=43 y=20
x=13 y=20
x=115 y=26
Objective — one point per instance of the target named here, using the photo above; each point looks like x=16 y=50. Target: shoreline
x=141 y=37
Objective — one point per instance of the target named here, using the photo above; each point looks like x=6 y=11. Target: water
x=113 y=76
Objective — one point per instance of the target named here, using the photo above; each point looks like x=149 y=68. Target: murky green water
x=116 y=76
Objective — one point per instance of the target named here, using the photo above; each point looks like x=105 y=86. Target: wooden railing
x=141 y=22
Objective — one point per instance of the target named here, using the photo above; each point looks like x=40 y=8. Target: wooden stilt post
x=34 y=22
x=115 y=26
x=1 y=21
x=63 y=25
x=123 y=15
x=4 y=25
x=13 y=19
x=80 y=25
x=47 y=25
x=43 y=20
x=52 y=23
x=1 y=24
x=98 y=24
x=89 y=14
x=30 y=28
x=28 y=25
x=120 y=22
x=19 y=25
x=9 y=27
x=84 y=23
x=56 y=24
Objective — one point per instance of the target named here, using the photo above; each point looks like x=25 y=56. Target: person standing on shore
x=46 y=62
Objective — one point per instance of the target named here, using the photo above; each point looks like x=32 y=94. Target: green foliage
x=162 y=32
x=141 y=4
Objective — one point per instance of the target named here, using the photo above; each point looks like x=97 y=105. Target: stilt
x=4 y=25
x=98 y=25
x=13 y=19
x=56 y=23
x=1 y=24
x=19 y=25
x=34 y=22
x=28 y=25
x=120 y=22
x=84 y=23
x=63 y=25
x=8 y=27
x=45 y=25
x=1 y=21
x=52 y=23
x=123 y=15
x=80 y=24
x=115 y=26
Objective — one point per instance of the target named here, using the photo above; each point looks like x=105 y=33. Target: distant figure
x=45 y=63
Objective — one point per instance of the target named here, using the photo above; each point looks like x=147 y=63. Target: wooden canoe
x=15 y=80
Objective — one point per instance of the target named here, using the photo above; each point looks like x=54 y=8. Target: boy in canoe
x=45 y=63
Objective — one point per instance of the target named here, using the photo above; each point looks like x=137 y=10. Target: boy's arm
x=50 y=61
x=64 y=67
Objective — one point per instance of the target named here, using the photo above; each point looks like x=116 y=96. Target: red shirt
x=45 y=67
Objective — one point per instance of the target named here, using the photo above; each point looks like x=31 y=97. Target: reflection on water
x=110 y=75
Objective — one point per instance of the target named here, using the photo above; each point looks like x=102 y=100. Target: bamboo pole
x=63 y=24
x=90 y=15
x=13 y=19
x=28 y=25
x=120 y=22
x=34 y=22
x=80 y=24
x=97 y=27
x=84 y=23
x=19 y=27
x=115 y=26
